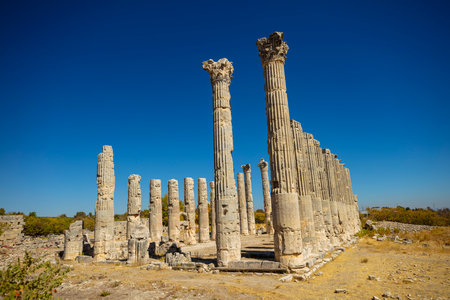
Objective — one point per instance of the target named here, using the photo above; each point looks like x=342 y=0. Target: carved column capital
x=272 y=48
x=246 y=168
x=220 y=70
x=263 y=164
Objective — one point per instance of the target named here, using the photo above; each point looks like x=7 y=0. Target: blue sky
x=369 y=79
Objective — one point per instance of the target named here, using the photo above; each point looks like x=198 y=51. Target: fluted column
x=212 y=197
x=189 y=209
x=304 y=190
x=155 y=210
x=264 y=167
x=134 y=203
x=104 y=208
x=228 y=239
x=203 y=217
x=319 y=227
x=331 y=176
x=249 y=198
x=342 y=210
x=242 y=204
x=173 y=211
x=287 y=236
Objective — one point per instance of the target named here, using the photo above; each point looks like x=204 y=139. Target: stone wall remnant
x=73 y=240
x=12 y=229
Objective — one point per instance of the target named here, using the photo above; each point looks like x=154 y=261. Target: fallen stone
x=287 y=278
x=84 y=259
x=375 y=298
x=372 y=277
x=387 y=294
x=340 y=291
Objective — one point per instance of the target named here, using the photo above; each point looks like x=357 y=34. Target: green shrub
x=30 y=279
x=104 y=294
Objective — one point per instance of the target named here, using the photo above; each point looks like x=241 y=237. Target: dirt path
x=393 y=264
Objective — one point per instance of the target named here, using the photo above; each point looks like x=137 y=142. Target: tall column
x=173 y=211
x=203 y=217
x=331 y=176
x=342 y=210
x=134 y=203
x=189 y=208
x=104 y=209
x=321 y=238
x=249 y=198
x=287 y=237
x=264 y=167
x=356 y=222
x=304 y=190
x=155 y=208
x=242 y=204
x=325 y=196
x=228 y=239
x=212 y=197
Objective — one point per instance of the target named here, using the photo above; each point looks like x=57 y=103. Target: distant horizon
x=369 y=80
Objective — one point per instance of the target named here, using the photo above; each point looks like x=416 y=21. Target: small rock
x=287 y=278
x=408 y=280
x=299 y=277
x=375 y=298
x=387 y=294
x=319 y=273
x=340 y=291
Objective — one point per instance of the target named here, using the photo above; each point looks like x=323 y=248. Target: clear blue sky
x=369 y=79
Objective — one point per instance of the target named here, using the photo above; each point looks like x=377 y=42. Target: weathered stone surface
x=287 y=236
x=155 y=208
x=134 y=204
x=73 y=240
x=242 y=204
x=264 y=167
x=249 y=198
x=203 y=216
x=104 y=245
x=310 y=244
x=174 y=211
x=189 y=208
x=212 y=197
x=228 y=233
x=12 y=231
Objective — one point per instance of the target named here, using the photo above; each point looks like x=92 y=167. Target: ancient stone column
x=134 y=203
x=329 y=168
x=73 y=240
x=342 y=209
x=104 y=245
x=264 y=167
x=356 y=222
x=321 y=238
x=249 y=198
x=155 y=207
x=228 y=238
x=203 y=216
x=173 y=211
x=189 y=208
x=242 y=204
x=286 y=218
x=325 y=196
x=304 y=190
x=138 y=245
x=212 y=196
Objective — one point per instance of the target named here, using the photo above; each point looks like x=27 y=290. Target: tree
x=2 y=212
x=80 y=215
x=32 y=214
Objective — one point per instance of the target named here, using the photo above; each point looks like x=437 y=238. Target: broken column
x=137 y=232
x=203 y=217
x=104 y=208
x=173 y=211
x=155 y=210
x=73 y=240
x=249 y=198
x=264 y=167
x=134 y=203
x=242 y=204
x=304 y=190
x=212 y=197
x=189 y=208
x=286 y=218
x=228 y=238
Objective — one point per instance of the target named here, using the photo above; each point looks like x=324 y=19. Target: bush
x=418 y=216
x=30 y=279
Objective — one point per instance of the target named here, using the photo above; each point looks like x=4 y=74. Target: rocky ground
x=367 y=269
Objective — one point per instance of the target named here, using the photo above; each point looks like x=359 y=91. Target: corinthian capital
x=220 y=70
x=263 y=164
x=272 y=48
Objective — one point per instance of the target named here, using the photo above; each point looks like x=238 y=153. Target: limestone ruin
x=309 y=203
x=227 y=221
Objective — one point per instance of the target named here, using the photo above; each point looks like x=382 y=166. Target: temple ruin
x=309 y=205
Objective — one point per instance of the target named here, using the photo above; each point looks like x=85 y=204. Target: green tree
x=2 y=212
x=80 y=215
x=32 y=214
